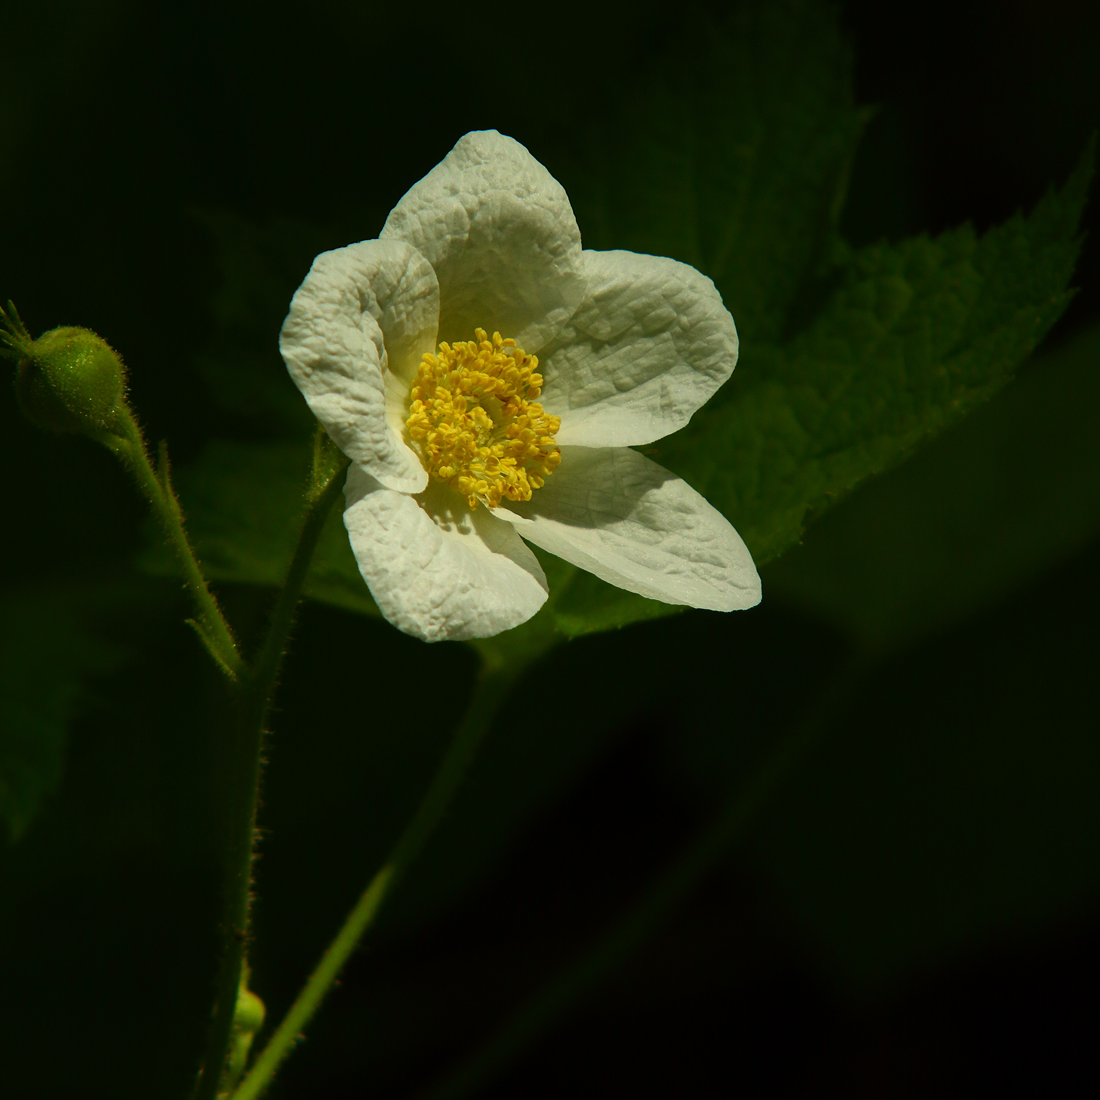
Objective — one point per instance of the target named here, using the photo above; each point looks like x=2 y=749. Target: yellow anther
x=475 y=420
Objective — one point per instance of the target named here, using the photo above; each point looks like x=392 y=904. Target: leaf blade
x=917 y=335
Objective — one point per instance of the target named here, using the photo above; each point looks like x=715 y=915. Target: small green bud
x=68 y=380
x=247 y=1020
x=249 y=1015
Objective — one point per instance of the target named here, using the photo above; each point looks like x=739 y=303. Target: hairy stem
x=319 y=502
x=156 y=486
x=664 y=895
x=252 y=699
x=491 y=689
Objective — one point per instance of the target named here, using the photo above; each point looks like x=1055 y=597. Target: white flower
x=453 y=459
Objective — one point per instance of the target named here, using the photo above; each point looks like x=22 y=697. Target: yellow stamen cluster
x=476 y=422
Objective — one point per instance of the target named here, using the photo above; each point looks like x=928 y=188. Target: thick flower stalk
x=488 y=378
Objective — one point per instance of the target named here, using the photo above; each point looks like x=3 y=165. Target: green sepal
x=211 y=647
x=327 y=462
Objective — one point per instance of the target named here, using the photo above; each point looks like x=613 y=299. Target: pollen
x=477 y=424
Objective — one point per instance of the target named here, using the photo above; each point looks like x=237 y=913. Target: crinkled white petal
x=357 y=328
x=615 y=513
x=436 y=570
x=649 y=344
x=501 y=235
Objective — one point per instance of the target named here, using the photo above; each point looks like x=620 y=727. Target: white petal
x=615 y=513
x=501 y=235
x=648 y=345
x=436 y=570
x=356 y=330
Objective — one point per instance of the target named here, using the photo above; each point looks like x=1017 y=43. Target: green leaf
x=915 y=336
x=47 y=655
x=1012 y=490
x=731 y=152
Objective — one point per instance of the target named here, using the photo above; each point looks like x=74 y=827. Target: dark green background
x=916 y=912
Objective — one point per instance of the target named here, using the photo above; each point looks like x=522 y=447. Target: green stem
x=319 y=502
x=491 y=689
x=253 y=697
x=243 y=770
x=156 y=487
x=633 y=930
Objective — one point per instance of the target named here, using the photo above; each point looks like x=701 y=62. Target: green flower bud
x=247 y=1020
x=249 y=1015
x=68 y=380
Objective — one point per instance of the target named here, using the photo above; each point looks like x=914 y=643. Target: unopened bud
x=68 y=380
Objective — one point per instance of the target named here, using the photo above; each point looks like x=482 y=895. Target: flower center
x=476 y=423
